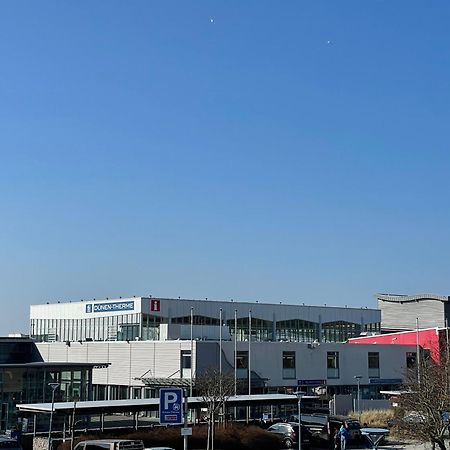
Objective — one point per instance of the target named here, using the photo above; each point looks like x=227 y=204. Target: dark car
x=288 y=433
x=353 y=426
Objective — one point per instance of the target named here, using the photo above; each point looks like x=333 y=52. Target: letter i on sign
x=155 y=305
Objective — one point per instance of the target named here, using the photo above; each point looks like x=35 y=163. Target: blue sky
x=291 y=151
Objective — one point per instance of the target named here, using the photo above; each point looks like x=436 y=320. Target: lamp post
x=54 y=386
x=299 y=395
x=72 y=431
x=192 y=351
x=358 y=378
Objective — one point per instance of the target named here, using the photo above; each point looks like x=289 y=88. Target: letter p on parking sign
x=171 y=406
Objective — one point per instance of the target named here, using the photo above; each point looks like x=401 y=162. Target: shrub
x=232 y=437
x=375 y=417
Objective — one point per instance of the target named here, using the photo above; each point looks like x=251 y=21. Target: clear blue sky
x=292 y=151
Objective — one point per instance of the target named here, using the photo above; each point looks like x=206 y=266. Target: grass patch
x=378 y=418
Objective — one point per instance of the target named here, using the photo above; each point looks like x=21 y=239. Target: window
x=136 y=392
x=186 y=359
x=98 y=446
x=242 y=360
x=123 y=393
x=373 y=361
x=288 y=365
x=288 y=360
x=332 y=364
x=410 y=360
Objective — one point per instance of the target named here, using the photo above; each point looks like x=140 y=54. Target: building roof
x=152 y=404
x=403 y=298
x=39 y=364
x=207 y=301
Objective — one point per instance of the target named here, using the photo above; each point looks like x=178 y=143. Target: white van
x=110 y=444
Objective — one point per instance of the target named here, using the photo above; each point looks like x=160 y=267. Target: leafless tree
x=426 y=402
x=215 y=388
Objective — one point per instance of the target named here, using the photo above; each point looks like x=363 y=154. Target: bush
x=378 y=418
x=233 y=437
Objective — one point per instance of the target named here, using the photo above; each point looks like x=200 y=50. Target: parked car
x=9 y=443
x=158 y=448
x=324 y=427
x=288 y=433
x=110 y=444
x=354 y=428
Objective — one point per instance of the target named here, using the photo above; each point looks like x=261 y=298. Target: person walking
x=337 y=440
x=343 y=433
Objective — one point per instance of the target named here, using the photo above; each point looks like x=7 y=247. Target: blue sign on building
x=311 y=382
x=110 y=307
x=385 y=381
x=171 y=406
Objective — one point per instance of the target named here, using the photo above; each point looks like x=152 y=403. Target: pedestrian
x=337 y=440
x=343 y=433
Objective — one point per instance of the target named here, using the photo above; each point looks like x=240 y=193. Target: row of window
x=146 y=327
x=333 y=365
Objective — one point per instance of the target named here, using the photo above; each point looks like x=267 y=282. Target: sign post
x=171 y=406
x=185 y=431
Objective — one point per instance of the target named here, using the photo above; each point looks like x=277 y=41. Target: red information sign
x=155 y=305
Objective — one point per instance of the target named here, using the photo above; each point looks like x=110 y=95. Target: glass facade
x=25 y=378
x=297 y=330
x=102 y=328
x=277 y=324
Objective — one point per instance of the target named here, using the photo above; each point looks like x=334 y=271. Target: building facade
x=407 y=312
x=433 y=341
x=139 y=368
x=25 y=378
x=158 y=319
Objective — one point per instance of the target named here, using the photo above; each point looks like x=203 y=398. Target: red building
x=432 y=339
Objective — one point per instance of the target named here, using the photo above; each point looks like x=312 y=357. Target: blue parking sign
x=171 y=406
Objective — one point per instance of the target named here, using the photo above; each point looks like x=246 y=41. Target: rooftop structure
x=147 y=318
x=407 y=312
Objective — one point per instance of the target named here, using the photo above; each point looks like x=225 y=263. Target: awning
x=151 y=404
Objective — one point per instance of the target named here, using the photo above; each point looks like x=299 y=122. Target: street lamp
x=299 y=395
x=72 y=431
x=54 y=386
x=358 y=378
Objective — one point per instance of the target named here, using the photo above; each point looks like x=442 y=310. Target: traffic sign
x=171 y=406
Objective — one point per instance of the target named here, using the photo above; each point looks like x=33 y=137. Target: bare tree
x=426 y=402
x=215 y=388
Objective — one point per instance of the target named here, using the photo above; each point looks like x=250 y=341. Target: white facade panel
x=311 y=361
x=86 y=309
x=128 y=361
x=131 y=361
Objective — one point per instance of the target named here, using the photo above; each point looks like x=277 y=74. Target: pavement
x=407 y=445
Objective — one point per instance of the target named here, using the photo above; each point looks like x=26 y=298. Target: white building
x=150 y=343
x=145 y=318
x=138 y=368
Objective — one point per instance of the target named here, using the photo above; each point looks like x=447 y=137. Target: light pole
x=72 y=431
x=192 y=351
x=54 y=386
x=358 y=378
x=299 y=395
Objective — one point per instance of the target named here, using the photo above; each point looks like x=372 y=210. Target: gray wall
x=401 y=315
